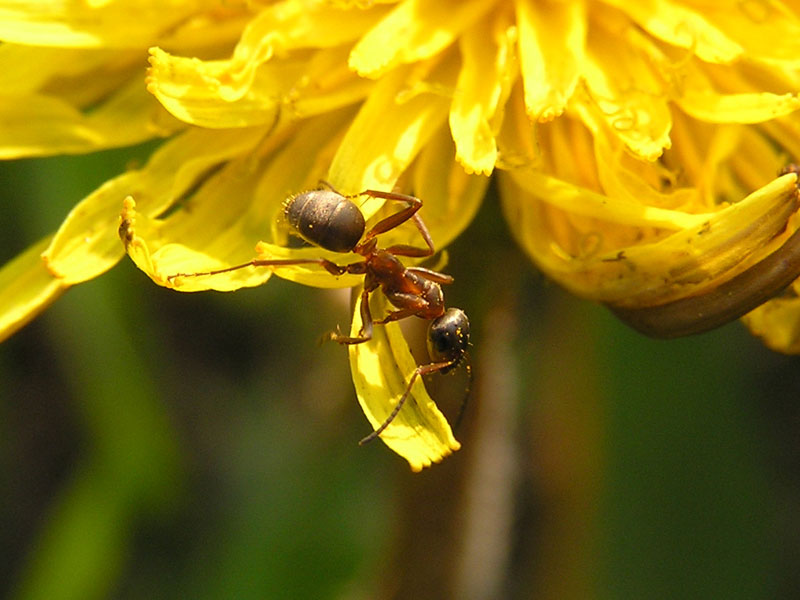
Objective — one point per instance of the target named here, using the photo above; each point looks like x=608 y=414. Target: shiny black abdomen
x=326 y=219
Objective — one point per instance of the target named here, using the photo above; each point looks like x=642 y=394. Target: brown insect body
x=330 y=220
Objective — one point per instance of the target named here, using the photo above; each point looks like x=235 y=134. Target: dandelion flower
x=635 y=145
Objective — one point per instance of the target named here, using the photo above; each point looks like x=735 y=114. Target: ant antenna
x=467 y=393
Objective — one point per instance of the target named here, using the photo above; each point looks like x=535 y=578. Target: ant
x=330 y=220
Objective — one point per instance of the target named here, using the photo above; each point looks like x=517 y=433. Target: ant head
x=448 y=337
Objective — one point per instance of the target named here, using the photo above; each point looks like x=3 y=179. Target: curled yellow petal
x=87 y=245
x=686 y=255
x=296 y=87
x=173 y=264
x=181 y=267
x=730 y=300
x=261 y=75
x=381 y=370
x=185 y=87
x=220 y=226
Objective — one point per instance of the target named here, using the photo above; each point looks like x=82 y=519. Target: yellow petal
x=620 y=176
x=83 y=78
x=767 y=31
x=284 y=26
x=180 y=266
x=646 y=265
x=387 y=134
x=25 y=69
x=551 y=48
x=517 y=141
x=700 y=99
x=683 y=27
x=188 y=88
x=236 y=216
x=300 y=86
x=123 y=24
x=488 y=71
x=413 y=31
x=244 y=90
x=581 y=202
x=709 y=309
x=36 y=125
x=26 y=288
x=72 y=100
x=381 y=370
x=777 y=323
x=87 y=244
x=450 y=196
x=626 y=94
x=326 y=84
x=164 y=263
x=785 y=133
x=725 y=163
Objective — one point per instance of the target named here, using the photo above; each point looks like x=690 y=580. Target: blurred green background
x=163 y=445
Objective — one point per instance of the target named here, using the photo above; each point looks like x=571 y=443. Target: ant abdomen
x=326 y=219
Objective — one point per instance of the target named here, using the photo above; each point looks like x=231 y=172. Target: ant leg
x=422 y=370
x=397 y=315
x=329 y=266
x=430 y=275
x=414 y=306
x=329 y=185
x=392 y=221
x=365 y=333
x=409 y=305
x=414 y=251
x=398 y=218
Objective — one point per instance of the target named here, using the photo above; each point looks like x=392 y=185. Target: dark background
x=155 y=444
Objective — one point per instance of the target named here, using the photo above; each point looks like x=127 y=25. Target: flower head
x=635 y=144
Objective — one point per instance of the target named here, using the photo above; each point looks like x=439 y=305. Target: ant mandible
x=330 y=220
